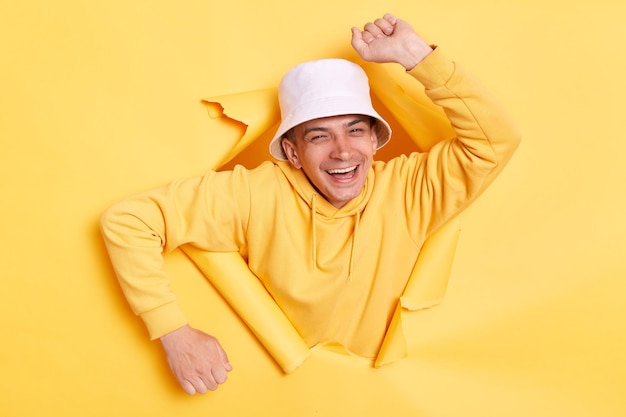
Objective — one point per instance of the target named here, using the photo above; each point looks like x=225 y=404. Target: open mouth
x=343 y=173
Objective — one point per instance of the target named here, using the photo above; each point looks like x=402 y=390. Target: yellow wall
x=99 y=99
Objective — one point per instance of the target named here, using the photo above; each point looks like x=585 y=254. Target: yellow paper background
x=102 y=99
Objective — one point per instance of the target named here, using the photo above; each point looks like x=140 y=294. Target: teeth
x=341 y=170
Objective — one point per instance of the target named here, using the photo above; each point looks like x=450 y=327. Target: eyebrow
x=325 y=129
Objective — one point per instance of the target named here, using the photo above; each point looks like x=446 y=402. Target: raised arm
x=456 y=171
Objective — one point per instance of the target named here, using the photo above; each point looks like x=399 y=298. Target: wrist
x=416 y=51
x=173 y=334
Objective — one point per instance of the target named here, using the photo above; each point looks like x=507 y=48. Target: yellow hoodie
x=336 y=273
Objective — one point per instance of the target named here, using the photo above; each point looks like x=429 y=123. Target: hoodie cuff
x=163 y=320
x=434 y=71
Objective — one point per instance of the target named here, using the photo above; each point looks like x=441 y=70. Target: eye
x=357 y=131
x=317 y=138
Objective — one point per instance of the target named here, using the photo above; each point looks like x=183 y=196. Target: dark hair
x=290 y=135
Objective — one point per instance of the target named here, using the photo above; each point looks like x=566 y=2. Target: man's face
x=335 y=153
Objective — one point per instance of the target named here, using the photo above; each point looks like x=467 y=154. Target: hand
x=390 y=39
x=196 y=359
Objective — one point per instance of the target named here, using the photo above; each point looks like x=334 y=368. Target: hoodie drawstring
x=353 y=248
x=314 y=234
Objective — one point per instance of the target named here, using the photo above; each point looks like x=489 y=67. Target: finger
x=225 y=361
x=385 y=26
x=373 y=29
x=358 y=44
x=357 y=39
x=219 y=374
x=368 y=38
x=390 y=18
x=206 y=383
x=361 y=39
x=188 y=387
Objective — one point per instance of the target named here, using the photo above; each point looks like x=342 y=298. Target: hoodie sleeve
x=208 y=212
x=455 y=172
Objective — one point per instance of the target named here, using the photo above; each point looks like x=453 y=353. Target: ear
x=292 y=154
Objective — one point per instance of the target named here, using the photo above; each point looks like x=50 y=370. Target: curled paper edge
x=427 y=284
x=230 y=275
x=257 y=110
x=426 y=287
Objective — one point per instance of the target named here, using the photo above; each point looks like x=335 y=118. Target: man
x=331 y=234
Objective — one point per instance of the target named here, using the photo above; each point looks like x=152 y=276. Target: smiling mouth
x=343 y=173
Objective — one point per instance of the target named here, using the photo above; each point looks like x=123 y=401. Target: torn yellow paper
x=429 y=279
x=232 y=278
x=259 y=111
x=404 y=99
x=426 y=287
x=394 y=345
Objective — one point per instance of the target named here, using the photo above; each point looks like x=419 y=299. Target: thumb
x=224 y=359
x=357 y=40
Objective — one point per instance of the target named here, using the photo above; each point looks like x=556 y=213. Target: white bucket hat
x=324 y=88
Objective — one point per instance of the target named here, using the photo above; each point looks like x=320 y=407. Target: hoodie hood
x=320 y=207
x=312 y=196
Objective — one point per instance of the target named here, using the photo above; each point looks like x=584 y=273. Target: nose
x=342 y=148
